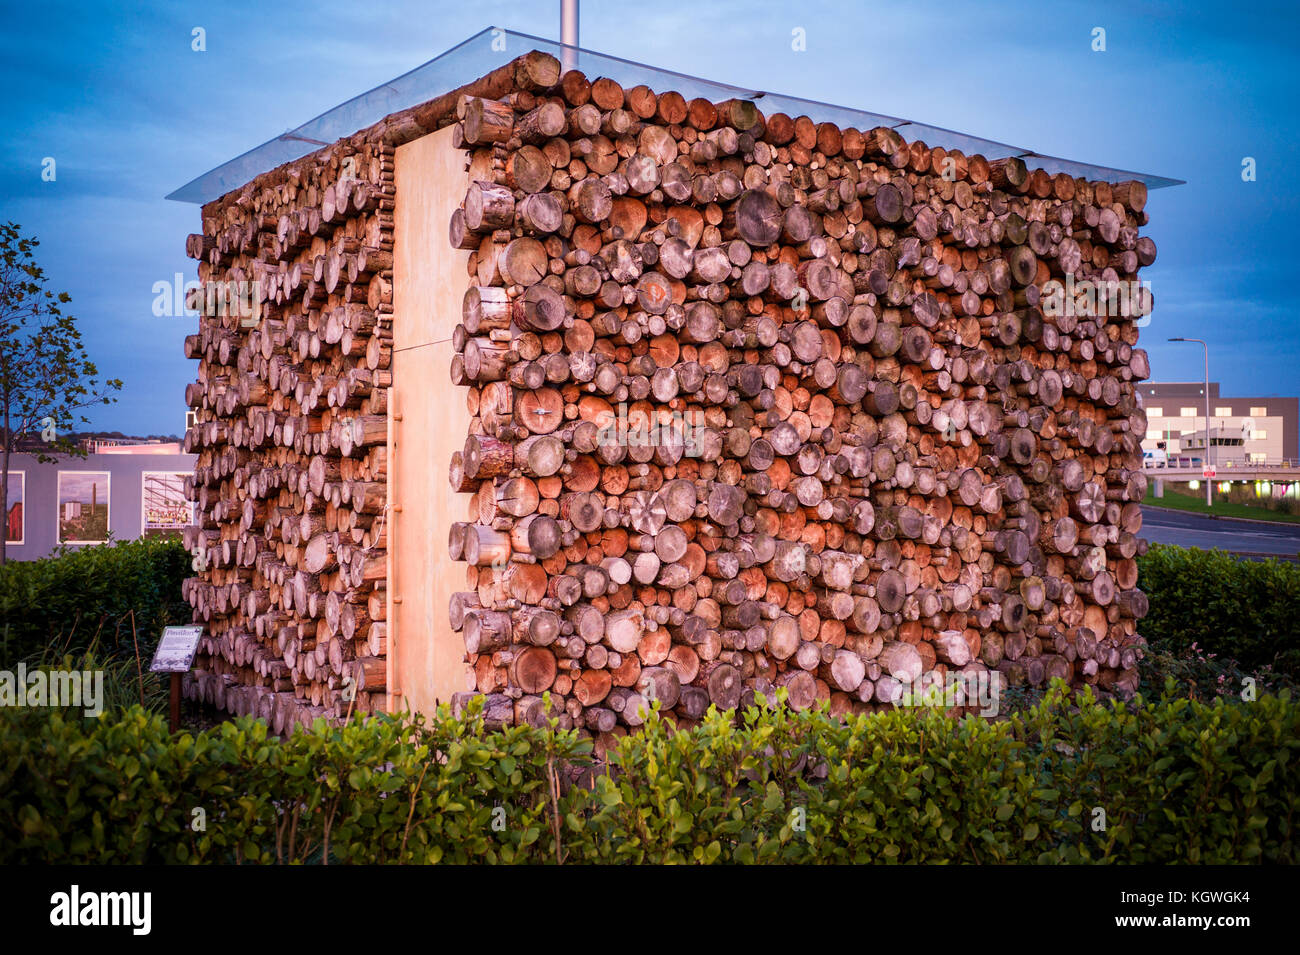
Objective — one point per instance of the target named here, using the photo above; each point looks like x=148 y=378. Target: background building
x=1242 y=430
x=119 y=491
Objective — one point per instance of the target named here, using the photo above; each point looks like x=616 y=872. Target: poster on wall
x=163 y=507
x=14 y=506
x=83 y=507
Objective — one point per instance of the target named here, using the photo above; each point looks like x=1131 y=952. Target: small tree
x=46 y=380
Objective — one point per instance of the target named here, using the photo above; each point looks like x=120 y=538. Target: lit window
x=1223 y=412
x=1258 y=412
x=1261 y=434
x=1154 y=432
x=1187 y=412
x=1155 y=412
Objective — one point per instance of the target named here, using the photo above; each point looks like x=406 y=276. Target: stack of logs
x=760 y=402
x=291 y=432
x=757 y=402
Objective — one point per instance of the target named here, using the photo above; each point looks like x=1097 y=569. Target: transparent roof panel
x=485 y=51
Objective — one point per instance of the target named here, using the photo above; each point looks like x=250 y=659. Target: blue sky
x=129 y=112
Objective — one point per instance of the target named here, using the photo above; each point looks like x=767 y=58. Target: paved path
x=1196 y=530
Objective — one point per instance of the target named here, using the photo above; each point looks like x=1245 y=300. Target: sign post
x=174 y=702
x=175 y=655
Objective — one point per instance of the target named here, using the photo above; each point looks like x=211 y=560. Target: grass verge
x=1184 y=502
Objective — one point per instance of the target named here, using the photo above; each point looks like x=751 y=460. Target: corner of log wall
x=291 y=437
x=874 y=455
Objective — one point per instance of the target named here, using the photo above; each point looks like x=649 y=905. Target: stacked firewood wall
x=862 y=448
x=289 y=547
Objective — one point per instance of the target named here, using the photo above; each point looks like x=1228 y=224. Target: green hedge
x=1179 y=781
x=63 y=602
x=1243 y=609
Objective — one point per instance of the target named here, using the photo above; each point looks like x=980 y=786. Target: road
x=1245 y=537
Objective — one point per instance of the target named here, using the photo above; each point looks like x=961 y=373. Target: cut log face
x=756 y=403
x=902 y=661
x=757 y=218
x=534 y=669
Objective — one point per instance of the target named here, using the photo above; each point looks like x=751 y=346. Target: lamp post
x=1208 y=500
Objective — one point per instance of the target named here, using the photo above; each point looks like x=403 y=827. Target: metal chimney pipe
x=569 y=33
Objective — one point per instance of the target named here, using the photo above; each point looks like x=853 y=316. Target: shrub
x=1178 y=781
x=92 y=595
x=1248 y=611
x=1201 y=675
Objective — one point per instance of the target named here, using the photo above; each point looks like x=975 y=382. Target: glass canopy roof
x=493 y=47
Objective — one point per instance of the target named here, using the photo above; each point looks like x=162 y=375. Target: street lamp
x=1208 y=482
